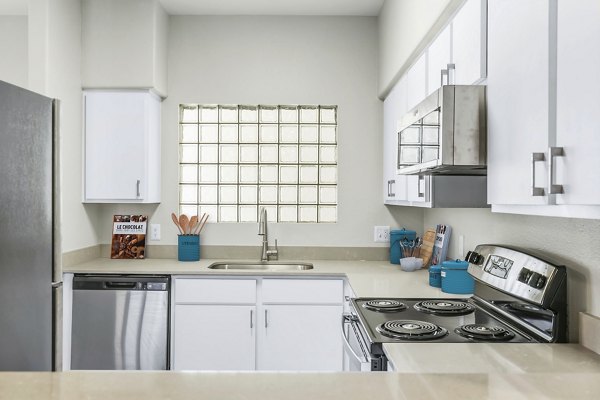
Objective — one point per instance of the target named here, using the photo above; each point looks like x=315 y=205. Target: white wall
x=124 y=44
x=283 y=60
x=405 y=27
x=55 y=71
x=13 y=47
x=571 y=241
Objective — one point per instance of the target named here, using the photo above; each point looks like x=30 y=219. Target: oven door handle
x=351 y=320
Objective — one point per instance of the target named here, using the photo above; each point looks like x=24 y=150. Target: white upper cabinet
x=469 y=43
x=440 y=56
x=578 y=102
x=543 y=120
x=517 y=100
x=121 y=146
x=394 y=107
x=416 y=81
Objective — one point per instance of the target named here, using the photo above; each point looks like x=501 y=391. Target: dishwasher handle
x=121 y=285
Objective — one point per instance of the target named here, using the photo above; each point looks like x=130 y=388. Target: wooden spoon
x=174 y=218
x=184 y=221
x=193 y=223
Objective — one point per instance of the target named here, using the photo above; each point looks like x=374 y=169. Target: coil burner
x=444 y=307
x=484 y=332
x=383 y=305
x=411 y=330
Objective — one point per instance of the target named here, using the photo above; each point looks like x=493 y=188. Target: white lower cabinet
x=214 y=337
x=300 y=338
x=277 y=324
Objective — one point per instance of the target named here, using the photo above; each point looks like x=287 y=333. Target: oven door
x=356 y=354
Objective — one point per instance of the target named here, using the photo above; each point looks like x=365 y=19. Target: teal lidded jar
x=396 y=236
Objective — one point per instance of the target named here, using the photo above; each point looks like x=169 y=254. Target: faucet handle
x=275 y=252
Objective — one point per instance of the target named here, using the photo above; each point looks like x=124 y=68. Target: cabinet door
x=115 y=125
x=419 y=189
x=214 y=337
x=468 y=42
x=394 y=106
x=300 y=338
x=439 y=57
x=517 y=99
x=416 y=81
x=578 y=101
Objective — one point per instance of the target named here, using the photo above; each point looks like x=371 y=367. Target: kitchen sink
x=262 y=266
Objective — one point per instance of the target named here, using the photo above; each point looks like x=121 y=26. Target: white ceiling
x=244 y=7
x=273 y=7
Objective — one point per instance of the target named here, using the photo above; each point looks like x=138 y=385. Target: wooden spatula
x=184 y=222
x=176 y=222
x=193 y=223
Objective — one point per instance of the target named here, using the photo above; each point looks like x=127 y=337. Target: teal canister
x=188 y=247
x=435 y=276
x=456 y=279
x=396 y=237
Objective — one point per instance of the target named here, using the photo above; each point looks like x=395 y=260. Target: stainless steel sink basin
x=261 y=266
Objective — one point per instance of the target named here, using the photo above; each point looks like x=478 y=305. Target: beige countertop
x=423 y=371
x=301 y=386
x=367 y=278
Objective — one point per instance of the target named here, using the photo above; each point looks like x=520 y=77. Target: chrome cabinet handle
x=419 y=192
x=266 y=319
x=137 y=188
x=554 y=188
x=448 y=73
x=251 y=319
x=451 y=68
x=388 y=192
x=536 y=157
x=443 y=72
x=391 y=190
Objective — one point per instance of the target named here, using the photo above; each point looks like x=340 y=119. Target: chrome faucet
x=262 y=231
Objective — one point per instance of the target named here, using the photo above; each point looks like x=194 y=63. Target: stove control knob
x=474 y=258
x=537 y=280
x=524 y=275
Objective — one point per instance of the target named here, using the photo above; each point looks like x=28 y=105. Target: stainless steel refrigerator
x=30 y=277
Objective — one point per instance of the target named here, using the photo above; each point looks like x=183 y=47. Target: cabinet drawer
x=221 y=291
x=304 y=291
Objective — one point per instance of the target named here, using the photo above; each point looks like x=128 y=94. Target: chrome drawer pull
x=536 y=157
x=554 y=152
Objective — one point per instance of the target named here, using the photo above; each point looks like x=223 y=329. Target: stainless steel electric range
x=519 y=297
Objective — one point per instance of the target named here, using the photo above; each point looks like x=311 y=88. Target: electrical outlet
x=155 y=232
x=381 y=234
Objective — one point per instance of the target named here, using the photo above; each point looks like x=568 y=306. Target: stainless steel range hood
x=445 y=133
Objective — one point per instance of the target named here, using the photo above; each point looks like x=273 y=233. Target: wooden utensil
x=427 y=247
x=176 y=221
x=184 y=221
x=193 y=223
x=205 y=218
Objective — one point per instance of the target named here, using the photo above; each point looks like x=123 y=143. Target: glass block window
x=235 y=159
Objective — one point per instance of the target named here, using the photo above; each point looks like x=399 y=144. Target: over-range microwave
x=445 y=133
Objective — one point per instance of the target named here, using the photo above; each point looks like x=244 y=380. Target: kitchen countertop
x=435 y=370
x=367 y=278
x=302 y=386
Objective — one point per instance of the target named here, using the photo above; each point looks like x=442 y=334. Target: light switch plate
x=154 y=232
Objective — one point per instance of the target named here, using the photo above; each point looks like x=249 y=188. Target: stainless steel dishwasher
x=120 y=322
